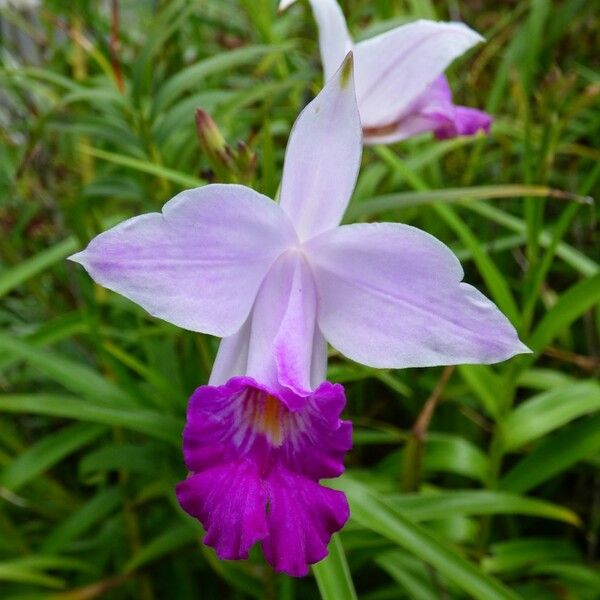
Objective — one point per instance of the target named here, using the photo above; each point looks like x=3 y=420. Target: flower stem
x=415 y=445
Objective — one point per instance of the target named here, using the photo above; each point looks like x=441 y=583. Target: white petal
x=323 y=157
x=390 y=296
x=394 y=68
x=200 y=262
x=232 y=356
x=283 y=326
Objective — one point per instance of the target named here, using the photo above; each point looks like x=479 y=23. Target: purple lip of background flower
x=276 y=281
x=400 y=86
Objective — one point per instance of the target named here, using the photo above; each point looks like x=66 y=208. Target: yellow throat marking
x=267 y=417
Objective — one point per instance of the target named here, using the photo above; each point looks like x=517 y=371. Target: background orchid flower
x=276 y=281
x=400 y=85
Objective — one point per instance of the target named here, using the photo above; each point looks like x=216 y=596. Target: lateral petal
x=390 y=296
x=200 y=262
x=323 y=157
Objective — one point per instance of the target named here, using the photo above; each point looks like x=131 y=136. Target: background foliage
x=469 y=482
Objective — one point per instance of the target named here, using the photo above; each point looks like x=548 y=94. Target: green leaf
x=167 y=394
x=570 y=306
x=554 y=455
x=54 y=562
x=445 y=453
x=135 y=458
x=425 y=507
x=191 y=77
x=169 y=122
x=454 y=454
x=93 y=512
x=145 y=166
x=39 y=74
x=494 y=279
x=485 y=383
x=409 y=573
x=333 y=575
x=46 y=453
x=514 y=555
x=15 y=572
x=580 y=262
x=49 y=332
x=172 y=539
x=73 y=375
x=12 y=277
x=588 y=577
x=148 y=422
x=372 y=512
x=548 y=411
x=401 y=200
x=543 y=379
x=161 y=25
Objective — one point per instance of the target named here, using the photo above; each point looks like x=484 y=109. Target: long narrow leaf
x=333 y=575
x=74 y=376
x=149 y=422
x=11 y=277
x=374 y=513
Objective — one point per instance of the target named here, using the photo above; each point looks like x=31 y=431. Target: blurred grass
x=97 y=124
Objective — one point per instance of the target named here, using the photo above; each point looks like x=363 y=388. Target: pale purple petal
x=318 y=370
x=334 y=39
x=232 y=356
x=256 y=466
x=433 y=111
x=405 y=128
x=302 y=516
x=280 y=343
x=200 y=262
x=448 y=120
x=323 y=157
x=393 y=69
x=293 y=344
x=425 y=113
x=283 y=329
x=391 y=296
x=465 y=121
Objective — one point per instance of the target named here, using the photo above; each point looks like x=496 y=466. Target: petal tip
x=515 y=349
x=284 y=5
x=347 y=70
x=78 y=257
x=523 y=349
x=473 y=35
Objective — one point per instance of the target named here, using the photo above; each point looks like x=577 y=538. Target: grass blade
x=12 y=277
x=375 y=514
x=333 y=575
x=149 y=422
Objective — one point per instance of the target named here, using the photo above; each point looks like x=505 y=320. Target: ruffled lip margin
x=240 y=502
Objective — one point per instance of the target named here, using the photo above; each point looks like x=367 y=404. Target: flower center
x=265 y=414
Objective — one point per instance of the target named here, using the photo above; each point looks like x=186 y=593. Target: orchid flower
x=400 y=85
x=276 y=281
